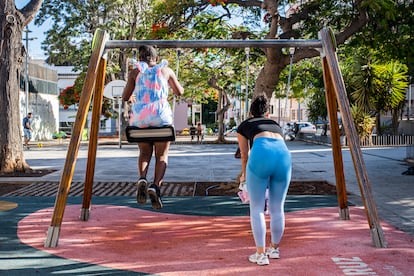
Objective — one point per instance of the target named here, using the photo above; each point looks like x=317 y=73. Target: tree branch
x=29 y=11
x=246 y=3
x=358 y=23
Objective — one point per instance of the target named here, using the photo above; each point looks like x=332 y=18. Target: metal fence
x=387 y=140
x=374 y=141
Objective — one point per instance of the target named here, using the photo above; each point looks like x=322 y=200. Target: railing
x=374 y=141
x=387 y=140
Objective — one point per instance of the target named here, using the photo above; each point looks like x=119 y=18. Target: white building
x=41 y=99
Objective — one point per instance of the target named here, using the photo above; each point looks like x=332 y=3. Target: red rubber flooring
x=316 y=242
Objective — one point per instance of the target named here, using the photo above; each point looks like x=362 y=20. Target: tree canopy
x=380 y=24
x=75 y=21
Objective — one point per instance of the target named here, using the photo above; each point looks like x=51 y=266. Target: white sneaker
x=273 y=253
x=142 y=186
x=260 y=259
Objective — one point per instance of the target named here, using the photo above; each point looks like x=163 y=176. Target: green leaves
x=392 y=82
x=364 y=123
x=378 y=86
x=375 y=85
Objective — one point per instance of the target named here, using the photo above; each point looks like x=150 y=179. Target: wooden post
x=93 y=139
x=98 y=47
x=336 y=143
x=328 y=46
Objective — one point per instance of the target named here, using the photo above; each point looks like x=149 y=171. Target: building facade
x=40 y=98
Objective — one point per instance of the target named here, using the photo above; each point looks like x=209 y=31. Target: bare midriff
x=268 y=134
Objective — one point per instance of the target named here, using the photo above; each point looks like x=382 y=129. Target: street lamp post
x=279 y=113
x=299 y=111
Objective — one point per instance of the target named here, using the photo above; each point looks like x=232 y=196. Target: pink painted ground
x=316 y=242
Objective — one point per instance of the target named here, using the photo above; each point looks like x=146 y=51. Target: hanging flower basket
x=69 y=96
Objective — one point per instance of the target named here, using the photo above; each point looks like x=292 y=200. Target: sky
x=37 y=33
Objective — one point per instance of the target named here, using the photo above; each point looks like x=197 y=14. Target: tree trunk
x=267 y=79
x=220 y=117
x=12 y=22
x=378 y=123
x=222 y=106
x=395 y=122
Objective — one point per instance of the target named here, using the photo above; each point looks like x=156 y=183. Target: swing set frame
x=336 y=97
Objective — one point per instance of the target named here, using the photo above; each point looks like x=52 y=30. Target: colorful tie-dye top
x=151 y=91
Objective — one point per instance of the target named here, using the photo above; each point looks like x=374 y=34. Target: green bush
x=58 y=135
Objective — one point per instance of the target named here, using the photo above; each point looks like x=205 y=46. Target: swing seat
x=151 y=134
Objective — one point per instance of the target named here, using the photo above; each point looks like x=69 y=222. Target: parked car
x=304 y=127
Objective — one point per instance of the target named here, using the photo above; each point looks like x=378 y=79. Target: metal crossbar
x=234 y=43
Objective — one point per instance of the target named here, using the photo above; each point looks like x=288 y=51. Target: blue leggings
x=269 y=166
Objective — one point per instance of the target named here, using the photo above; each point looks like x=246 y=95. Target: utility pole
x=26 y=88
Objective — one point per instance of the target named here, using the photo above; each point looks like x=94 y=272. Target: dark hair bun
x=259 y=106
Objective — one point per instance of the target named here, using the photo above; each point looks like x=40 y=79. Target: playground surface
x=207 y=235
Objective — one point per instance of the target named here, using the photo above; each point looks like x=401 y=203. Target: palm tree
x=377 y=87
x=393 y=80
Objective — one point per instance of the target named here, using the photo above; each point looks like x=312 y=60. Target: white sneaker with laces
x=273 y=253
x=260 y=259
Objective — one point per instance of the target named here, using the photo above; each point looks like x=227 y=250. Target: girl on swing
x=147 y=90
x=266 y=164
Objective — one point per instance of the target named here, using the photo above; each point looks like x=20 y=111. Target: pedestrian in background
x=193 y=131
x=27 y=129
x=200 y=132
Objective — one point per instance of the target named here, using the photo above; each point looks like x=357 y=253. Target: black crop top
x=253 y=126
